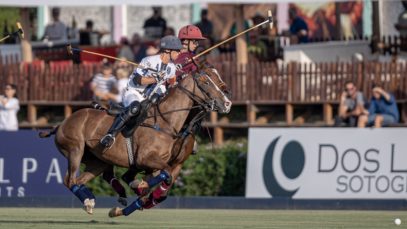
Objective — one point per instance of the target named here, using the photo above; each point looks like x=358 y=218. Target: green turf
x=14 y=218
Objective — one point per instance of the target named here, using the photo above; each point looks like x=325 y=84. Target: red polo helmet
x=190 y=32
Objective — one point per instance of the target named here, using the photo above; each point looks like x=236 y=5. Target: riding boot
x=119 y=123
x=117 y=126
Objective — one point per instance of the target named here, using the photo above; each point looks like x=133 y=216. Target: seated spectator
x=155 y=26
x=351 y=106
x=9 y=106
x=89 y=36
x=104 y=84
x=205 y=25
x=169 y=31
x=138 y=48
x=383 y=109
x=125 y=50
x=122 y=79
x=56 y=30
x=298 y=27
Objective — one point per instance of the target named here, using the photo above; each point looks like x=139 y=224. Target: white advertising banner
x=327 y=163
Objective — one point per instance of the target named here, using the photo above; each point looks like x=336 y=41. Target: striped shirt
x=104 y=84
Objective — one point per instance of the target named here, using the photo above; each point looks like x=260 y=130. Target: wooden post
x=214 y=118
x=26 y=49
x=328 y=117
x=218 y=135
x=251 y=111
x=241 y=46
x=32 y=113
x=289 y=113
x=217 y=131
x=67 y=111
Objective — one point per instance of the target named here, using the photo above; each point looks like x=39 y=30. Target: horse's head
x=213 y=90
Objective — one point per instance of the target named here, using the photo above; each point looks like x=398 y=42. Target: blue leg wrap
x=82 y=192
x=87 y=192
x=79 y=192
x=136 y=205
x=163 y=176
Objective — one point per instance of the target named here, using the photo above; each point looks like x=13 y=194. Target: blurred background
x=295 y=89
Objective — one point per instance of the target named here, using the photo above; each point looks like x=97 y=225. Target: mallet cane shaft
x=4 y=38
x=70 y=52
x=269 y=20
x=100 y=54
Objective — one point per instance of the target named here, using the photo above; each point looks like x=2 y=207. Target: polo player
x=190 y=36
x=143 y=82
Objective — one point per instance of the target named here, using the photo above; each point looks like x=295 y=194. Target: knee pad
x=134 y=108
x=154 y=99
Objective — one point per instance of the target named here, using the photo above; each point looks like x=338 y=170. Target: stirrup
x=107 y=140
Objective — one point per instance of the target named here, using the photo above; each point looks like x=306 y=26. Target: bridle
x=203 y=105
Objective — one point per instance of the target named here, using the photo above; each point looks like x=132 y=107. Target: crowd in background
x=355 y=110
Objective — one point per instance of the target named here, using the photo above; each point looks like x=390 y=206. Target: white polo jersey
x=134 y=91
x=152 y=62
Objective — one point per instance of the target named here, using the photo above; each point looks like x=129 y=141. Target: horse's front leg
x=160 y=193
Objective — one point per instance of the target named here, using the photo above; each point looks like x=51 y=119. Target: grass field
x=14 y=218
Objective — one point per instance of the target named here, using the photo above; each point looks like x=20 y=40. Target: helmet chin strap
x=189 y=43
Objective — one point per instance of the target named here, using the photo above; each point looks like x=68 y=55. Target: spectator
x=89 y=36
x=169 y=31
x=9 y=106
x=205 y=25
x=56 y=30
x=125 y=50
x=383 y=109
x=122 y=79
x=153 y=48
x=104 y=84
x=155 y=26
x=138 y=48
x=351 y=106
x=298 y=27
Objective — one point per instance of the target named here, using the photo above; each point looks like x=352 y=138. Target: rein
x=204 y=106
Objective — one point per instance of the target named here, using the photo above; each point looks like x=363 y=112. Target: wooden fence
x=62 y=83
x=257 y=81
x=309 y=83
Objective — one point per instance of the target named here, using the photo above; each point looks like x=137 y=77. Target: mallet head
x=20 y=30
x=69 y=49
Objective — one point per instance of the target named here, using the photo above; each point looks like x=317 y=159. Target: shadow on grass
x=58 y=222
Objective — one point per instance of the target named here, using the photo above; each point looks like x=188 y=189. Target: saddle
x=115 y=108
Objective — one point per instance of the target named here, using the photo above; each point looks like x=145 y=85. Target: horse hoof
x=122 y=201
x=88 y=205
x=115 y=212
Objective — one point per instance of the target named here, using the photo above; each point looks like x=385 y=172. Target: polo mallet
x=269 y=20
x=70 y=51
x=19 y=33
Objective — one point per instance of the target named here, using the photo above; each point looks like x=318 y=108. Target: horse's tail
x=48 y=133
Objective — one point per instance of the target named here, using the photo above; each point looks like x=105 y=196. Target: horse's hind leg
x=93 y=168
x=109 y=177
x=74 y=156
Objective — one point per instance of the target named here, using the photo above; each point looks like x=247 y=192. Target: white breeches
x=131 y=94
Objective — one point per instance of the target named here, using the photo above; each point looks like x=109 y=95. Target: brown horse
x=154 y=149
